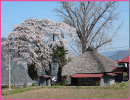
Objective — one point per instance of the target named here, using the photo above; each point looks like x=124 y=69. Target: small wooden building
x=44 y=80
x=86 y=79
x=120 y=64
x=97 y=79
x=120 y=73
x=92 y=66
x=126 y=60
x=108 y=79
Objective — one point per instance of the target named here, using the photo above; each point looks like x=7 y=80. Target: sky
x=15 y=12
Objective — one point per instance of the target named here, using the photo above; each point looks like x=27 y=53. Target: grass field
x=116 y=91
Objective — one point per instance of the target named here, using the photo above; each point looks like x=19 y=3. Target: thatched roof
x=89 y=62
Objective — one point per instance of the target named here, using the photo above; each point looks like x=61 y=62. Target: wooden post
x=9 y=70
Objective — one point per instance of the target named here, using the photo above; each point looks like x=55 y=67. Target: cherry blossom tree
x=31 y=42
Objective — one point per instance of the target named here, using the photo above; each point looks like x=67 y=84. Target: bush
x=12 y=86
x=2 y=93
x=24 y=85
x=33 y=84
x=59 y=84
x=63 y=83
x=4 y=86
x=122 y=84
x=78 y=87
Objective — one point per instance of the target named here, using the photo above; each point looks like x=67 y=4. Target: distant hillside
x=108 y=54
x=119 y=55
x=3 y=39
x=116 y=55
x=18 y=74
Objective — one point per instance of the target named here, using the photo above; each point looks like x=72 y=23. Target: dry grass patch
x=48 y=93
x=116 y=91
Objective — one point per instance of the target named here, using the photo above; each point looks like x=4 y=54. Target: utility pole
x=27 y=73
x=27 y=78
x=9 y=69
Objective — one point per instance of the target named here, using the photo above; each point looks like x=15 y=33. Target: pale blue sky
x=16 y=12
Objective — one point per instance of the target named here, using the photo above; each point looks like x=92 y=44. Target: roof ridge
x=89 y=62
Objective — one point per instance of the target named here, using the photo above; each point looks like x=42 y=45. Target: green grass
x=115 y=86
x=18 y=90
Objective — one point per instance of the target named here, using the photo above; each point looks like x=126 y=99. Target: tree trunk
x=48 y=72
x=59 y=74
x=32 y=72
x=83 y=47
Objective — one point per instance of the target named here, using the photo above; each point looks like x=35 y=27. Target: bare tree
x=93 y=21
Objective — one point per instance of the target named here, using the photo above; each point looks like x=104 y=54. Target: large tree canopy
x=93 y=21
x=31 y=42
